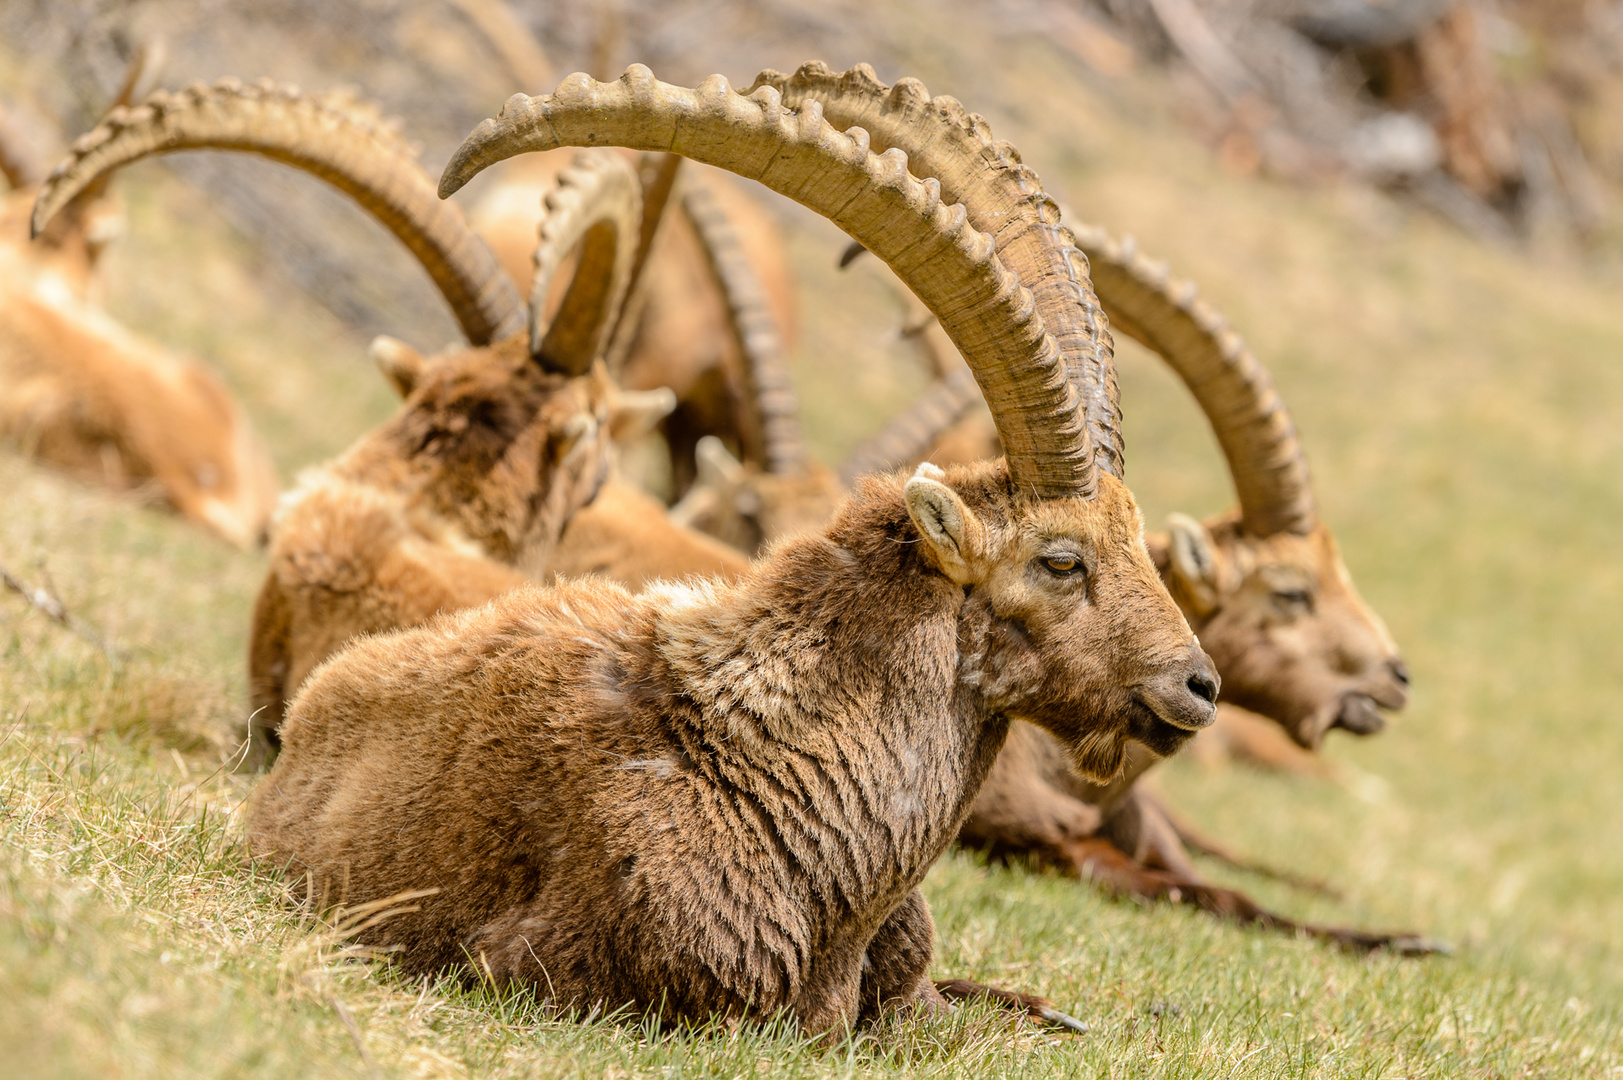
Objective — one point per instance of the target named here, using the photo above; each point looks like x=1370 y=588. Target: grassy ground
x=1461 y=407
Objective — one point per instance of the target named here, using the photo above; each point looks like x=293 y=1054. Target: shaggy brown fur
x=722 y=799
x=84 y=394
x=628 y=535
x=1290 y=635
x=480 y=471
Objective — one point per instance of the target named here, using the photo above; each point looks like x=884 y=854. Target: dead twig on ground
x=45 y=600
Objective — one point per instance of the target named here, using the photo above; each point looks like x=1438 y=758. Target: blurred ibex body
x=85 y=394
x=721 y=799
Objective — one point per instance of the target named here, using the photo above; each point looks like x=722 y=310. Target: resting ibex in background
x=451 y=502
x=683 y=328
x=85 y=394
x=682 y=334
x=722 y=799
x=1264 y=585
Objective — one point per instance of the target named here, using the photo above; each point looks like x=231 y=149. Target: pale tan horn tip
x=52 y=198
x=473 y=157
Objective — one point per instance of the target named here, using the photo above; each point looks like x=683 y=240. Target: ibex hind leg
x=896 y=975
x=1120 y=875
x=1202 y=844
x=1037 y=1008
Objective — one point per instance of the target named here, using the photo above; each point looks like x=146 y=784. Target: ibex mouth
x=1355 y=712
x=1151 y=725
x=1359 y=714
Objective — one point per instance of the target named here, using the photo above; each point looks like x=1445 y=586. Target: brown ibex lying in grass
x=722 y=799
x=451 y=502
x=1264 y=586
x=80 y=391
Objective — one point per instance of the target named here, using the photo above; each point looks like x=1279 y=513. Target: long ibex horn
x=595 y=207
x=951 y=266
x=1233 y=388
x=329 y=137
x=769 y=392
x=1004 y=199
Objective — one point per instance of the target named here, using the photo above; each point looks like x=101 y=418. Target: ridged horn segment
x=1004 y=199
x=1233 y=388
x=334 y=138
x=775 y=410
x=595 y=206
x=949 y=265
x=657 y=174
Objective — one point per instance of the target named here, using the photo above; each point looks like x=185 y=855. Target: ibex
x=1264 y=585
x=83 y=393
x=721 y=799
x=466 y=490
x=711 y=318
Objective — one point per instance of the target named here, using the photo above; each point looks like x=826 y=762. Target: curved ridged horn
x=1233 y=388
x=956 y=147
x=931 y=246
x=595 y=205
x=657 y=174
x=328 y=137
x=1230 y=384
x=908 y=435
x=768 y=389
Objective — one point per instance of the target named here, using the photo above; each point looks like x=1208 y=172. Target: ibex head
x=1280 y=616
x=1263 y=584
x=1066 y=623
x=492 y=441
x=503 y=446
x=747 y=507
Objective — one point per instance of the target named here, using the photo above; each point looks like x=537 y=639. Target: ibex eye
x=1062 y=564
x=1294 y=598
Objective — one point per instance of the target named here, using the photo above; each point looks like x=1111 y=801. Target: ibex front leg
x=898 y=962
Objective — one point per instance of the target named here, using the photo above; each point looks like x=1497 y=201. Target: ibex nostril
x=1203 y=686
x=1400 y=671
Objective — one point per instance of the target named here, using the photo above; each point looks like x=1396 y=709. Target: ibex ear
x=634 y=413
x=577 y=432
x=949 y=528
x=1194 y=562
x=401 y=364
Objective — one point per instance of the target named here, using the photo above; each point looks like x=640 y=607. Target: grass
x=1461 y=407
